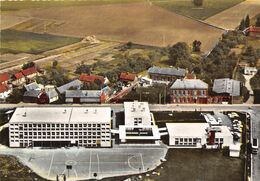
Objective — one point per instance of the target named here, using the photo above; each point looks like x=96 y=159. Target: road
x=255 y=118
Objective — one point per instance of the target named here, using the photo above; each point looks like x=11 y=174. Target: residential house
x=4 y=78
x=226 y=90
x=74 y=85
x=40 y=96
x=92 y=79
x=127 y=77
x=30 y=72
x=18 y=79
x=250 y=70
x=165 y=75
x=84 y=96
x=37 y=93
x=33 y=86
x=189 y=91
x=4 y=91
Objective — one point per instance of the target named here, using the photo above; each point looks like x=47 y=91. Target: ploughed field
x=141 y=23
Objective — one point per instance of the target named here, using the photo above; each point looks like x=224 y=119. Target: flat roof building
x=198 y=135
x=137 y=113
x=187 y=134
x=60 y=126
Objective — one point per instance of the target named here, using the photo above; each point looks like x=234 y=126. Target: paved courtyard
x=89 y=163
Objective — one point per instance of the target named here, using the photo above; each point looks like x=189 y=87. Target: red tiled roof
x=91 y=78
x=4 y=77
x=29 y=71
x=3 y=88
x=18 y=75
x=127 y=76
x=254 y=29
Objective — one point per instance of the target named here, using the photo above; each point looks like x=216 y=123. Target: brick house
x=189 y=91
x=165 y=75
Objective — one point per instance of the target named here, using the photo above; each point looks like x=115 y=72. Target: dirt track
x=230 y=18
x=137 y=22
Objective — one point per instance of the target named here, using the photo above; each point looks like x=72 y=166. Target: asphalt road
x=255 y=118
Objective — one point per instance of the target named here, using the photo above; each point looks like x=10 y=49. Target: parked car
x=255 y=145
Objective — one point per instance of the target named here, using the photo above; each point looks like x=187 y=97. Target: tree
x=247 y=21
x=196 y=45
x=54 y=63
x=242 y=25
x=83 y=69
x=28 y=65
x=257 y=23
x=198 y=2
x=16 y=96
x=179 y=51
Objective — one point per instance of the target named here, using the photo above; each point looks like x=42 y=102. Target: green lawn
x=17 y=5
x=186 y=7
x=13 y=41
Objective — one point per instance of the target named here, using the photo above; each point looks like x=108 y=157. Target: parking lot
x=90 y=163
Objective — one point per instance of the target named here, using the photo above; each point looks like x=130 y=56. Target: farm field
x=137 y=22
x=18 y=5
x=13 y=41
x=230 y=18
x=187 y=8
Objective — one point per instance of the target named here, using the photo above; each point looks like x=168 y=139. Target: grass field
x=13 y=41
x=186 y=7
x=18 y=5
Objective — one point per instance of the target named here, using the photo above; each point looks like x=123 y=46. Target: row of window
x=60 y=125
x=189 y=92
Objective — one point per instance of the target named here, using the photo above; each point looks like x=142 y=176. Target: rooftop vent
x=86 y=111
x=64 y=111
x=24 y=114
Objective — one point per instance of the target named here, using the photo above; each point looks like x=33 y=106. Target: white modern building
x=139 y=125
x=198 y=135
x=183 y=135
x=60 y=126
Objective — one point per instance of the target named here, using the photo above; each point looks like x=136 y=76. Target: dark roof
x=226 y=85
x=32 y=93
x=167 y=71
x=189 y=84
x=32 y=86
x=4 y=77
x=73 y=84
x=29 y=71
x=91 y=78
x=3 y=88
x=83 y=93
x=127 y=76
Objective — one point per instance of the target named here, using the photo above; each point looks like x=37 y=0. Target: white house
x=250 y=70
